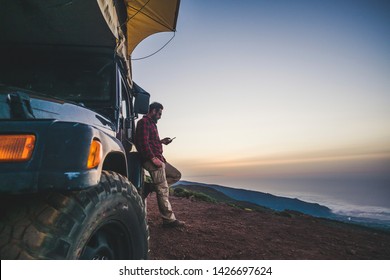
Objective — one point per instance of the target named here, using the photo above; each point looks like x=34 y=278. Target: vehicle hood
x=18 y=104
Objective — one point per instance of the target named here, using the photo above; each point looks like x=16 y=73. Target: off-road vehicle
x=71 y=181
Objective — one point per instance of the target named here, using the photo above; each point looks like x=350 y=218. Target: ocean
x=352 y=199
x=362 y=198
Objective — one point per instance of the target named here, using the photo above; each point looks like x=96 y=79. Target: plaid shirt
x=147 y=140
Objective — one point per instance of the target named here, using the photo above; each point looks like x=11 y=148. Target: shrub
x=180 y=192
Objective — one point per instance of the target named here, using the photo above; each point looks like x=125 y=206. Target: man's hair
x=155 y=105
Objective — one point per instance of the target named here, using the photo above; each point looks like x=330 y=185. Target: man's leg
x=172 y=174
x=162 y=191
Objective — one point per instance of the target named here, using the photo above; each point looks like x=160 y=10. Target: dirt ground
x=218 y=231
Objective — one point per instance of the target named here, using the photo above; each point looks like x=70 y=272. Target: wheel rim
x=109 y=242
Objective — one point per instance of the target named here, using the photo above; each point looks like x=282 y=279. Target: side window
x=126 y=121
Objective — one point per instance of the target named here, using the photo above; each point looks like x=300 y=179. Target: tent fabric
x=109 y=12
x=57 y=22
x=143 y=18
x=100 y=23
x=147 y=17
x=118 y=25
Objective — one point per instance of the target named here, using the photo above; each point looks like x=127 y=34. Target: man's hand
x=166 y=140
x=157 y=162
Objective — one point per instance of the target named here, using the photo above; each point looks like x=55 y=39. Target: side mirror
x=142 y=99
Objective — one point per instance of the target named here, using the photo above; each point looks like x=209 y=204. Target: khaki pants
x=163 y=177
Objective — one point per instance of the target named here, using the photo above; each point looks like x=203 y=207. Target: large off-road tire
x=104 y=222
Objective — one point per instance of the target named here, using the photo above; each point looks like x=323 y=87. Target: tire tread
x=41 y=226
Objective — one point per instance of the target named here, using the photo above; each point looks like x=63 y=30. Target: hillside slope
x=219 y=231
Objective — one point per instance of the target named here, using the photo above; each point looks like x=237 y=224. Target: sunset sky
x=261 y=90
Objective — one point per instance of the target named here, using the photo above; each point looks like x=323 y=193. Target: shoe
x=174 y=224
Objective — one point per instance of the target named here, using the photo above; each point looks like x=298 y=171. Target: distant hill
x=254 y=198
x=216 y=196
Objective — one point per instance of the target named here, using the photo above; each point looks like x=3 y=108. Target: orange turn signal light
x=16 y=147
x=95 y=154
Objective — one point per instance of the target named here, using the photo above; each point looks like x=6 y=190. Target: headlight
x=16 y=147
x=95 y=154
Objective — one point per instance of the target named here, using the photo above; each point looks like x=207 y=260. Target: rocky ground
x=218 y=231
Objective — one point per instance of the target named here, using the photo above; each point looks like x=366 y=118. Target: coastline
x=371 y=216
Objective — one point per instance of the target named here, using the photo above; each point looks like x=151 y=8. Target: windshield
x=79 y=77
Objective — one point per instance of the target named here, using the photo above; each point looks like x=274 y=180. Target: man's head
x=155 y=111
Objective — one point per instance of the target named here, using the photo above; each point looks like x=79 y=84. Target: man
x=149 y=145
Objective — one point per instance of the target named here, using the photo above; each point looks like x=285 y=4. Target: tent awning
x=147 y=17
